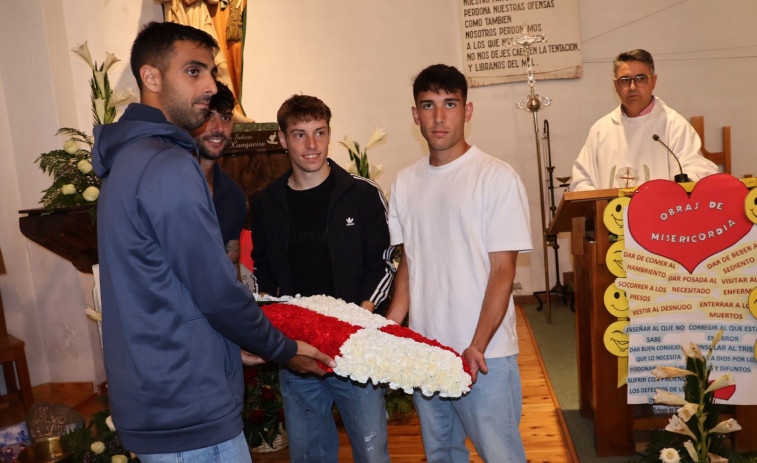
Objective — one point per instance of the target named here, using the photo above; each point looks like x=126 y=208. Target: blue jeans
x=489 y=414
x=231 y=451
x=310 y=426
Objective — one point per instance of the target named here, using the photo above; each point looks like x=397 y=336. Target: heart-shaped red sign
x=664 y=220
x=724 y=393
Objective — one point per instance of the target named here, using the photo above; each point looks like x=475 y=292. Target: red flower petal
x=324 y=332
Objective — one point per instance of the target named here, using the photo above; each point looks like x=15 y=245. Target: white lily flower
x=109 y=423
x=376 y=170
x=689 y=446
x=100 y=79
x=100 y=109
x=83 y=50
x=725 y=380
x=687 y=411
x=352 y=168
x=724 y=427
x=110 y=60
x=692 y=350
x=91 y=193
x=716 y=458
x=676 y=425
x=716 y=339
x=669 y=372
x=669 y=455
x=121 y=96
x=668 y=398
x=350 y=145
x=363 y=168
x=376 y=137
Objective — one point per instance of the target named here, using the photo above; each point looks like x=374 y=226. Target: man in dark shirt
x=228 y=198
x=320 y=230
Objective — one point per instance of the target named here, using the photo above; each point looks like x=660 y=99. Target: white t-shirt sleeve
x=508 y=226
x=395 y=227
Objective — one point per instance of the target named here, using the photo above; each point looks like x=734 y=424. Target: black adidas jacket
x=358 y=239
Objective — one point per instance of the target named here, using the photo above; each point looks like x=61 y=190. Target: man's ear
x=415 y=115
x=151 y=78
x=282 y=140
x=468 y=111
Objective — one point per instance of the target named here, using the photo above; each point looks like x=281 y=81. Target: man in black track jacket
x=320 y=230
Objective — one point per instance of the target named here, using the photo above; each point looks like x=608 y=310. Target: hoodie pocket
x=233 y=370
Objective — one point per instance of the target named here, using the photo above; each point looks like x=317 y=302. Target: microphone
x=679 y=178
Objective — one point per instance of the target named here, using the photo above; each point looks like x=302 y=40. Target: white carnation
x=403 y=363
x=337 y=308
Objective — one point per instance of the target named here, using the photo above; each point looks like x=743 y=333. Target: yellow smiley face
x=750 y=205
x=613 y=216
x=616 y=340
x=753 y=304
x=616 y=301
x=614 y=259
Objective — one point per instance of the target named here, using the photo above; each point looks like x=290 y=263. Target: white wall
x=359 y=57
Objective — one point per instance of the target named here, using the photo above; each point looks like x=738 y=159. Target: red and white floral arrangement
x=367 y=346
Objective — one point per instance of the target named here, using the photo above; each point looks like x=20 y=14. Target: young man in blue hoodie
x=174 y=313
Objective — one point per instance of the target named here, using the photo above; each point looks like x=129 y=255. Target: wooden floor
x=542 y=427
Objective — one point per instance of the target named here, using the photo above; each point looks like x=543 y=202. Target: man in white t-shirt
x=462 y=216
x=622 y=151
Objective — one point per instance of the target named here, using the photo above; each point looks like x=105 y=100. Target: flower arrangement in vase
x=698 y=435
x=74 y=181
x=359 y=159
x=97 y=442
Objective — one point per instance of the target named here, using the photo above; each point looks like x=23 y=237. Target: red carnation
x=250 y=374
x=267 y=394
x=256 y=417
x=281 y=415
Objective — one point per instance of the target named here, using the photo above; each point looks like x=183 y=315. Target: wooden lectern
x=581 y=213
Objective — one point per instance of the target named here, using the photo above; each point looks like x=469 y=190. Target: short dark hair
x=302 y=108
x=633 y=55
x=440 y=77
x=223 y=101
x=154 y=45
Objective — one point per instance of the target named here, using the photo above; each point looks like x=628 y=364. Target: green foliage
x=361 y=161
x=74 y=182
x=104 y=95
x=398 y=403
x=693 y=391
x=262 y=412
x=701 y=425
x=78 y=443
x=660 y=439
x=64 y=168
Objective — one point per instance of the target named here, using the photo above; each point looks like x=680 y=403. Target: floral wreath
x=367 y=346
